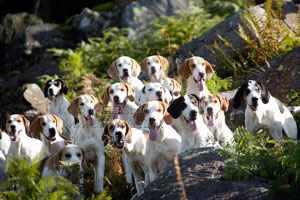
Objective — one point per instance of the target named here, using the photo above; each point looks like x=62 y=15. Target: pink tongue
x=200 y=85
x=117 y=108
x=125 y=78
x=153 y=134
x=51 y=97
x=91 y=120
x=210 y=121
x=193 y=125
x=13 y=137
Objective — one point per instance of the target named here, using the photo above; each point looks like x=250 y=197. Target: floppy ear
x=136 y=68
x=239 y=95
x=73 y=107
x=105 y=135
x=130 y=92
x=184 y=69
x=144 y=66
x=105 y=96
x=139 y=115
x=176 y=87
x=98 y=104
x=46 y=89
x=112 y=70
x=26 y=122
x=265 y=94
x=208 y=69
x=54 y=160
x=202 y=105
x=59 y=123
x=168 y=97
x=175 y=108
x=35 y=128
x=83 y=162
x=224 y=102
x=167 y=117
x=163 y=62
x=64 y=87
x=128 y=134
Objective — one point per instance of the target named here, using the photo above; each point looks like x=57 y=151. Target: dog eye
x=111 y=91
x=159 y=110
x=9 y=121
x=81 y=104
x=156 y=61
x=146 y=111
x=119 y=65
x=111 y=127
x=202 y=64
x=78 y=154
x=43 y=124
x=122 y=126
x=193 y=65
x=150 y=90
x=68 y=155
x=53 y=121
x=122 y=89
x=18 y=120
x=215 y=101
x=257 y=89
x=148 y=63
x=247 y=91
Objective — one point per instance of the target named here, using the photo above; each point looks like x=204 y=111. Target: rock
x=35 y=96
x=88 y=24
x=202 y=172
x=227 y=29
x=138 y=14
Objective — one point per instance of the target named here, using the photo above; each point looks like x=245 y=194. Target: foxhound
x=155 y=67
x=127 y=69
x=173 y=86
x=196 y=70
x=89 y=134
x=194 y=133
x=132 y=141
x=48 y=127
x=163 y=141
x=263 y=111
x=4 y=143
x=213 y=107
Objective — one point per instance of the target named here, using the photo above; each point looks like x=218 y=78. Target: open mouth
x=125 y=77
x=254 y=106
x=51 y=138
x=119 y=143
x=211 y=120
x=153 y=132
x=159 y=99
x=13 y=135
x=52 y=97
x=90 y=120
x=118 y=109
x=192 y=124
x=200 y=83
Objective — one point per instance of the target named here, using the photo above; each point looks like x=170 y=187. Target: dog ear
x=73 y=107
x=83 y=161
x=105 y=135
x=130 y=92
x=128 y=134
x=35 y=128
x=202 y=105
x=54 y=160
x=163 y=62
x=224 y=102
x=184 y=69
x=265 y=94
x=208 y=69
x=136 y=68
x=64 y=88
x=144 y=65
x=47 y=85
x=175 y=108
x=167 y=117
x=26 y=122
x=112 y=70
x=59 y=123
x=139 y=115
x=105 y=96
x=98 y=105
x=239 y=95
x=168 y=96
x=176 y=87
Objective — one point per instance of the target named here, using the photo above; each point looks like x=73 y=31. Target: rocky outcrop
x=227 y=29
x=203 y=172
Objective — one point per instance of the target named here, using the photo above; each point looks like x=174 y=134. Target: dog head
x=156 y=91
x=211 y=105
x=120 y=131
x=48 y=126
x=187 y=106
x=86 y=105
x=254 y=93
x=198 y=68
x=118 y=94
x=155 y=114
x=124 y=67
x=16 y=125
x=154 y=66
x=172 y=85
x=54 y=88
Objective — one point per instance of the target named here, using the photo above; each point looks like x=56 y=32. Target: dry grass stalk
x=179 y=177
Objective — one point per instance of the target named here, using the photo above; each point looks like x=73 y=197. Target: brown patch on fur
x=167 y=117
x=130 y=91
x=73 y=107
x=163 y=62
x=59 y=122
x=128 y=134
x=112 y=70
x=223 y=101
x=35 y=127
x=139 y=115
x=106 y=96
x=136 y=68
x=144 y=65
x=184 y=69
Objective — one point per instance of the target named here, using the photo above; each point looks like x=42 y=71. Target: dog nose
x=158 y=93
x=153 y=70
x=151 y=120
x=193 y=114
x=119 y=135
x=116 y=98
x=91 y=111
x=52 y=132
x=209 y=110
x=13 y=127
x=125 y=71
x=51 y=91
x=255 y=99
x=201 y=74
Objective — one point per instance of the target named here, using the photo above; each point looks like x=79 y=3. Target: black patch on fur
x=76 y=120
x=64 y=88
x=196 y=98
x=239 y=95
x=176 y=107
x=143 y=90
x=265 y=94
x=280 y=106
x=46 y=88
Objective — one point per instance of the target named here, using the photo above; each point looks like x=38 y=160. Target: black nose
x=91 y=111
x=151 y=120
x=153 y=70
x=51 y=91
x=201 y=74
x=158 y=93
x=209 y=110
x=125 y=71
x=193 y=114
x=119 y=135
x=13 y=127
x=116 y=99
x=52 y=132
